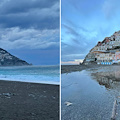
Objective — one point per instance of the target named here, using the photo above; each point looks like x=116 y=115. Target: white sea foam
x=33 y=74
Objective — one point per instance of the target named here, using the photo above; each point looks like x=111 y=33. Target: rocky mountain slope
x=105 y=52
x=6 y=59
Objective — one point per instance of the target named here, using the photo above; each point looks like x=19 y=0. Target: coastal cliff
x=6 y=59
x=106 y=52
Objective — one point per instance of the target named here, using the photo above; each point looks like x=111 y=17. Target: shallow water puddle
x=92 y=94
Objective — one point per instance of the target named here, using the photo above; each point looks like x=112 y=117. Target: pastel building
x=117 y=57
x=105 y=58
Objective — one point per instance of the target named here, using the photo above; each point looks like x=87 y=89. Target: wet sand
x=73 y=68
x=91 y=93
x=28 y=101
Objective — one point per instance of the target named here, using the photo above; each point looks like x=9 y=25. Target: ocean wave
x=34 y=74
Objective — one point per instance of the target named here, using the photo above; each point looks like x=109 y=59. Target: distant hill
x=6 y=59
x=105 y=52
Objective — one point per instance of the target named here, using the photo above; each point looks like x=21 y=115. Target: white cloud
x=75 y=62
x=14 y=38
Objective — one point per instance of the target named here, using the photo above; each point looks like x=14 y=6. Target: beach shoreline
x=28 y=101
x=31 y=81
x=75 y=68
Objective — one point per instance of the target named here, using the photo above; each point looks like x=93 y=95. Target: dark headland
x=6 y=59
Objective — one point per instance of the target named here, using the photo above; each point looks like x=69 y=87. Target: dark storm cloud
x=39 y=14
x=20 y=6
x=32 y=24
x=29 y=29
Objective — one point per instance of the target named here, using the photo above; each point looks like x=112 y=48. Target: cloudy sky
x=84 y=23
x=29 y=29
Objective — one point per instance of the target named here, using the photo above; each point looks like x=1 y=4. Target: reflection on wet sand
x=110 y=79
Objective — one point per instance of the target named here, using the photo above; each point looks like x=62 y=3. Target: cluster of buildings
x=106 y=52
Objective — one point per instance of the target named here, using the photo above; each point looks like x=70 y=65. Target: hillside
x=6 y=59
x=105 y=52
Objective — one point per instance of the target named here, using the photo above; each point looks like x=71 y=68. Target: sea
x=32 y=74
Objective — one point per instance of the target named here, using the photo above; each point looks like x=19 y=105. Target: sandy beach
x=28 y=101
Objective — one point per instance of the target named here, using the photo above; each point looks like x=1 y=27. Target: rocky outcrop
x=6 y=59
x=104 y=52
